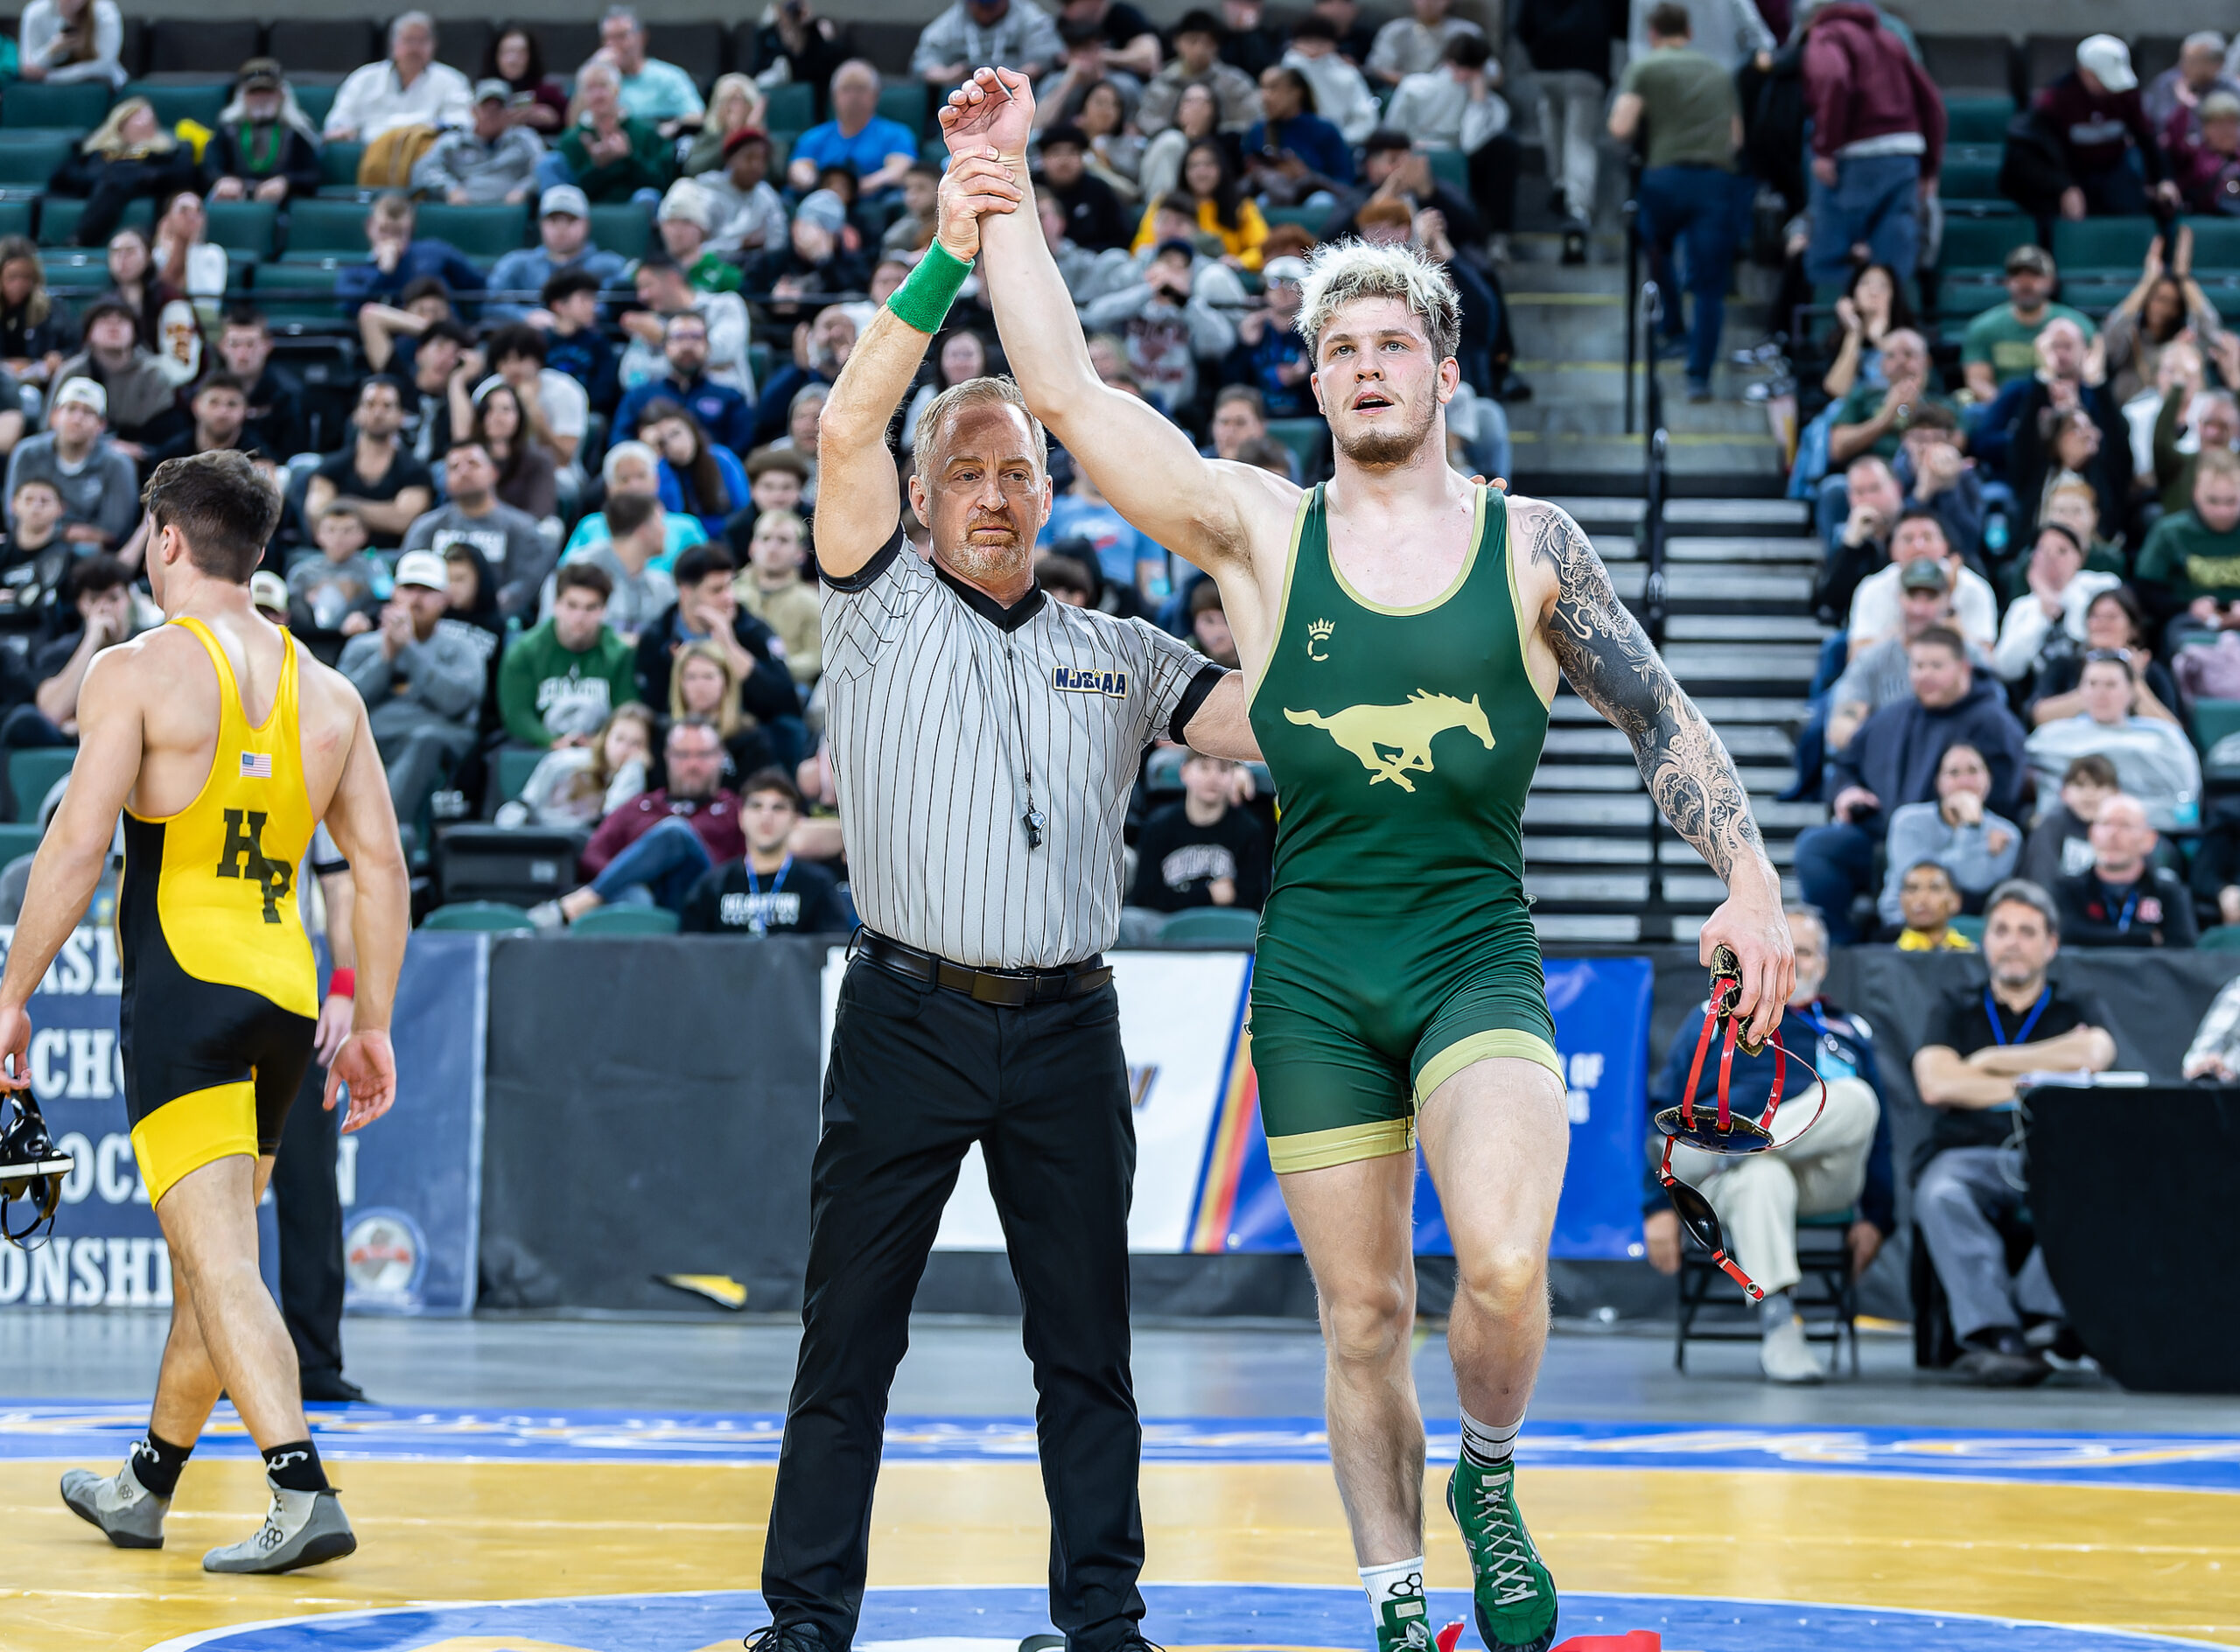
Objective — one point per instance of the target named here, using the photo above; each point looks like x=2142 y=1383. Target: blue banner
x=411 y=1184
x=1601 y=1007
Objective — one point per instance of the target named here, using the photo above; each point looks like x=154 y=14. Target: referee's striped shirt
x=941 y=706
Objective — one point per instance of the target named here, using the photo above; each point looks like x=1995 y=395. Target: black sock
x=156 y=1462
x=295 y=1466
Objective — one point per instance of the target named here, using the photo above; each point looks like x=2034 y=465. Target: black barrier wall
x=650 y=1108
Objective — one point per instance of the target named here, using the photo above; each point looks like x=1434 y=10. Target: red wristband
x=343 y=983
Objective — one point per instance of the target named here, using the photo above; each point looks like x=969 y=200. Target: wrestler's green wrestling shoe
x=1403 y=1620
x=1514 y=1594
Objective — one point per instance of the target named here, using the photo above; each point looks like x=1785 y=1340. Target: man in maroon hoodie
x=654 y=849
x=1878 y=140
x=2095 y=116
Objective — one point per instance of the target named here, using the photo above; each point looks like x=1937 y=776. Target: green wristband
x=923 y=301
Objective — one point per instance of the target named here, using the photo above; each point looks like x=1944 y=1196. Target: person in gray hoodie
x=1168 y=326
x=491 y=162
x=422 y=681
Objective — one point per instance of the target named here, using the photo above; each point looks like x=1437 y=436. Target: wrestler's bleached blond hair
x=1340 y=272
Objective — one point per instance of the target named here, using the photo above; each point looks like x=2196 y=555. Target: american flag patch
x=256 y=765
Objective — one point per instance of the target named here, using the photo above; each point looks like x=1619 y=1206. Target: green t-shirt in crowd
x=545 y=691
x=1689 y=105
x=1865 y=401
x=2011 y=346
x=2188 y=559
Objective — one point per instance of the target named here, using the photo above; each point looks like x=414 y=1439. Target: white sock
x=1486 y=1445
x=1401 y=1584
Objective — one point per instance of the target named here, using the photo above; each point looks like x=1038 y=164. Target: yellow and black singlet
x=220 y=990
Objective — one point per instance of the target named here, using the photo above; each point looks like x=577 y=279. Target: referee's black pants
x=918 y=1074
x=309 y=1217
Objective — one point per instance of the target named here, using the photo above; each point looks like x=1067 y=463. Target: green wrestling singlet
x=1396 y=947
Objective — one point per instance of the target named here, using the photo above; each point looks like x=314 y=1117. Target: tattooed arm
x=1603 y=651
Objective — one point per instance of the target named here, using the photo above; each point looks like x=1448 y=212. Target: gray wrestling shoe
x=303 y=1529
x=129 y=1513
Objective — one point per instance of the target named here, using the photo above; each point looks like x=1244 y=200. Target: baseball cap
x=258 y=75
x=686 y=199
x=1284 y=269
x=2033 y=261
x=268 y=589
x=744 y=135
x=1175 y=243
x=1927 y=574
x=563 y=199
x=2109 y=59
x=85 y=393
x=492 y=87
x=2220 y=106
x=423 y=568
x=824 y=209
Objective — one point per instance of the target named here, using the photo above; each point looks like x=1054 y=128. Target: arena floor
x=539 y=1486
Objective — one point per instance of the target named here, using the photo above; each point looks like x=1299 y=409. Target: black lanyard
x=2022 y=1033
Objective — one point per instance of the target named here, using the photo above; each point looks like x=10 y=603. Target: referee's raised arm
x=859 y=499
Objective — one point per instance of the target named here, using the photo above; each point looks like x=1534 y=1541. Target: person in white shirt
x=2061 y=592
x=1875 y=611
x=660 y=93
x=1341 y=96
x=407 y=87
x=2155 y=761
x=1455 y=105
x=62 y=42
x=1415 y=45
x=186 y=259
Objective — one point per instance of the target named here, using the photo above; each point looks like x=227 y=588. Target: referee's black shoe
x=784 y=1637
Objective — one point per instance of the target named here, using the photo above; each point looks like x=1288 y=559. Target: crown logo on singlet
x=1317 y=632
x=1406 y=730
x=244 y=857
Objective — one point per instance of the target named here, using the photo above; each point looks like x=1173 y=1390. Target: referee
x=984 y=741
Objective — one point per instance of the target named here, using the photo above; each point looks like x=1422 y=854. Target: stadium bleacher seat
x=18 y=837
x=58 y=218
x=2045 y=58
x=1305 y=437
x=1451 y=167
x=494 y=917
x=32 y=775
x=627 y=229
x=289 y=291
x=199 y=100
x=697 y=48
x=321 y=229
x=215 y=46
x=326 y=45
x=1970 y=62
x=315 y=100
x=2101 y=249
x=625 y=921
x=78 y=103
x=2213 y=720
x=29 y=157
x=1310 y=218
x=483 y=233
x=791 y=108
x=15 y=217
x=2224 y=937
x=76 y=269
x=514 y=766
x=338 y=167
x=1968 y=178
x=1978 y=119
x=907 y=105
x=1214 y=929
x=244 y=228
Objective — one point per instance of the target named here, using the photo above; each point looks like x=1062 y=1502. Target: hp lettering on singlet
x=243 y=857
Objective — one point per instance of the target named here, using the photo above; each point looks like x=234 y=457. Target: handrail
x=1654 y=447
x=1633 y=211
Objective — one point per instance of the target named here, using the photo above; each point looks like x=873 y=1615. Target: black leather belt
x=1012 y=989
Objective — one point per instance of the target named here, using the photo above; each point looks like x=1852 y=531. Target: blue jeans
x=1876 y=200
x=659 y=869
x=1835 y=866
x=1692 y=207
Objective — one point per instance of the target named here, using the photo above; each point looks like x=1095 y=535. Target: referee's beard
x=990 y=552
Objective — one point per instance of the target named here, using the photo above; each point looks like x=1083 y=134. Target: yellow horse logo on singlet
x=1407 y=729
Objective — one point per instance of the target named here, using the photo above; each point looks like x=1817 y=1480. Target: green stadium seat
x=58 y=218
x=907 y=103
x=1451 y=167
x=323 y=230
x=299 y=291
x=483 y=233
x=1982 y=243
x=2225 y=937
x=338 y=163
x=18 y=839
x=626 y=920
x=494 y=917
x=29 y=158
x=515 y=764
x=78 y=103
x=2117 y=244
x=1214 y=929
x=2095 y=294
x=76 y=270
x=627 y=229
x=32 y=775
x=1968 y=928
x=1967 y=179
x=2216 y=244
x=1977 y=120
x=1306 y=438
x=2213 y=720
x=15 y=218
x=185 y=102
x=792 y=108
x=315 y=102
x=244 y=228
x=760 y=360
x=1310 y=218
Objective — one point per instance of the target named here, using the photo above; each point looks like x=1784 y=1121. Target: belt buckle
x=1004 y=992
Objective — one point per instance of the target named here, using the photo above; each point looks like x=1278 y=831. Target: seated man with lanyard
x=1980 y=1039
x=1843 y=1161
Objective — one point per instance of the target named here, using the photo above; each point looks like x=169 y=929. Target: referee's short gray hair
x=2025 y=892
x=1341 y=272
x=942 y=412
